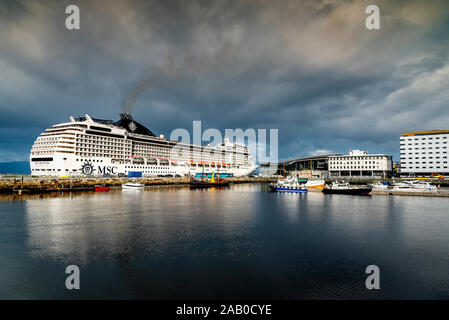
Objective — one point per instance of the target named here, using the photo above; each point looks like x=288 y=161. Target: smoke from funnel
x=142 y=86
x=157 y=76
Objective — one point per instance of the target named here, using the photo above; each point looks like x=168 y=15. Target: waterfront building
x=424 y=153
x=360 y=164
x=94 y=147
x=312 y=167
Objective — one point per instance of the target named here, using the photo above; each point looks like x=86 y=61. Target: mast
x=311 y=170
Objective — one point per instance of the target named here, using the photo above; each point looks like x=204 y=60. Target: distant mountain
x=17 y=167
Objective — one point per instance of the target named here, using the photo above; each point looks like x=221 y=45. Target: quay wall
x=362 y=181
x=35 y=185
x=45 y=184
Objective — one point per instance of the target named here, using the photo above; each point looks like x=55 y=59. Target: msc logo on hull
x=107 y=170
x=87 y=168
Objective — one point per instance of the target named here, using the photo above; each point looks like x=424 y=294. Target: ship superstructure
x=95 y=147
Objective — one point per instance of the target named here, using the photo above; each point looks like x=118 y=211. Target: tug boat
x=288 y=184
x=345 y=188
x=210 y=183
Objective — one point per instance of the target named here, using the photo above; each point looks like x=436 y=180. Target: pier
x=35 y=185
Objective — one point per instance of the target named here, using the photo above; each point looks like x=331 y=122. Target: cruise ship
x=87 y=146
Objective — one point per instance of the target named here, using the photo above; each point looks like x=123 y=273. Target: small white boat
x=340 y=186
x=346 y=188
x=379 y=186
x=133 y=186
x=415 y=186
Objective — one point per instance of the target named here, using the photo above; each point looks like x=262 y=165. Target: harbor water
x=233 y=243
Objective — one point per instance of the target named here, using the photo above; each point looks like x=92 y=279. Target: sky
x=310 y=69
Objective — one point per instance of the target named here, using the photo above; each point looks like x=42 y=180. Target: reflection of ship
x=82 y=234
x=345 y=188
x=288 y=184
x=415 y=186
x=87 y=146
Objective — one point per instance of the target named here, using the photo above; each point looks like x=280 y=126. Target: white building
x=424 y=153
x=360 y=164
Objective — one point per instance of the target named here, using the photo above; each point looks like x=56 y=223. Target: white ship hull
x=63 y=166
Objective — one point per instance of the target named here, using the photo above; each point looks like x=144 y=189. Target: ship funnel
x=126 y=116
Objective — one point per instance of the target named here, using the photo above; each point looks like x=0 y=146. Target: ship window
x=42 y=159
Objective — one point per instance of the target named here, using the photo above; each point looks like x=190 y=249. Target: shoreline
x=44 y=185
x=36 y=185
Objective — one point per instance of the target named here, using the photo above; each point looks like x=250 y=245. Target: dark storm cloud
x=309 y=68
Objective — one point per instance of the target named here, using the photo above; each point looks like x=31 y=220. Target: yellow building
x=424 y=153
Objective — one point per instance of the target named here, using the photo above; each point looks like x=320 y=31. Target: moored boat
x=87 y=146
x=415 y=186
x=378 y=186
x=315 y=184
x=133 y=186
x=101 y=188
x=345 y=188
x=288 y=184
x=219 y=182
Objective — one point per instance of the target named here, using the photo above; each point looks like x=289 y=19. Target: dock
x=37 y=185
x=411 y=194
x=42 y=185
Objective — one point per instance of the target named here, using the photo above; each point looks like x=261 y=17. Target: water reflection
x=240 y=242
x=94 y=226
